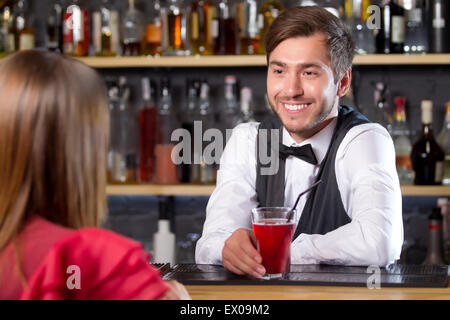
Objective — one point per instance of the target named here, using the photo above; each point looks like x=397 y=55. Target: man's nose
x=294 y=85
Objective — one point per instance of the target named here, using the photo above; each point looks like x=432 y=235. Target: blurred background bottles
x=416 y=39
x=224 y=29
x=247 y=105
x=230 y=111
x=153 y=29
x=381 y=113
x=248 y=27
x=402 y=143
x=22 y=27
x=76 y=29
x=427 y=156
x=439 y=41
x=197 y=27
x=268 y=12
x=166 y=170
x=148 y=117
x=357 y=18
x=105 y=30
x=132 y=31
x=54 y=36
x=177 y=28
x=444 y=141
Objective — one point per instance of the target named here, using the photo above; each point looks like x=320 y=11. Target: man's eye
x=277 y=71
x=310 y=73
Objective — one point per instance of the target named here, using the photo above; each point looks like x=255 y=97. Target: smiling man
x=354 y=217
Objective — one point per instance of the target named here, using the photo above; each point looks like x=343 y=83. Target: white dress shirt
x=367 y=181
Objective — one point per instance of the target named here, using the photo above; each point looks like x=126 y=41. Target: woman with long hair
x=54 y=132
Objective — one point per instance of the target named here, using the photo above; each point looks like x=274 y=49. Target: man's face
x=300 y=85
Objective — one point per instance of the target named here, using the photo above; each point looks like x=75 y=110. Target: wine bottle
x=402 y=143
x=427 y=156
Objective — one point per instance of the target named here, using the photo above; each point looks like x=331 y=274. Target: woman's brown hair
x=54 y=127
x=307 y=21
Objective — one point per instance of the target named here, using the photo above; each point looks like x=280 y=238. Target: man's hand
x=239 y=254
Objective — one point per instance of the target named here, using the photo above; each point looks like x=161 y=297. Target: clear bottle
x=439 y=26
x=132 y=31
x=166 y=170
x=6 y=34
x=203 y=170
x=247 y=105
x=148 y=116
x=23 y=26
x=153 y=29
x=76 y=29
x=105 y=30
x=225 y=29
x=164 y=238
x=248 y=27
x=444 y=141
x=427 y=156
x=357 y=17
x=402 y=143
x=435 y=252
x=54 y=35
x=444 y=205
x=416 y=40
x=230 y=113
x=267 y=13
x=210 y=11
x=177 y=29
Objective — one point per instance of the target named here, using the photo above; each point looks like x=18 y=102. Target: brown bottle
x=224 y=30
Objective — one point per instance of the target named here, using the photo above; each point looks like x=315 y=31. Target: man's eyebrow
x=301 y=65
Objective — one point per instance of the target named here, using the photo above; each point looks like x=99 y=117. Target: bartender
x=354 y=217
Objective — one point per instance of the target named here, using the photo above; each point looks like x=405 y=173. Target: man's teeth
x=295 y=107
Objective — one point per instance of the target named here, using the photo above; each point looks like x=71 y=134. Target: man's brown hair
x=307 y=21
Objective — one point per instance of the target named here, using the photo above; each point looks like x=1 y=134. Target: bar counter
x=275 y=292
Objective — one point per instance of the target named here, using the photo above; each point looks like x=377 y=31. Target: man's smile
x=295 y=107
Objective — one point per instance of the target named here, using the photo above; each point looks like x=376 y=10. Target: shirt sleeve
x=370 y=191
x=95 y=264
x=234 y=197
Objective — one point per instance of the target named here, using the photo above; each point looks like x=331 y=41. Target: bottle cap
x=230 y=79
x=427 y=111
x=435 y=214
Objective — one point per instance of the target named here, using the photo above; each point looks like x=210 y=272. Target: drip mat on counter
x=412 y=276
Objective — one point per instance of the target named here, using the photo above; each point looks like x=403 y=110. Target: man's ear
x=345 y=83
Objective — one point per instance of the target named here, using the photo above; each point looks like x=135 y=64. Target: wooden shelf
x=252 y=61
x=161 y=190
x=206 y=190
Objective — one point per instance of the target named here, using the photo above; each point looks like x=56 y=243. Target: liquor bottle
x=197 y=27
x=22 y=26
x=383 y=36
x=427 y=156
x=210 y=11
x=203 y=170
x=402 y=143
x=153 y=29
x=332 y=6
x=444 y=205
x=189 y=114
x=177 y=36
x=267 y=13
x=105 y=30
x=54 y=39
x=121 y=164
x=435 y=252
x=224 y=29
x=444 y=141
x=416 y=40
x=248 y=27
x=164 y=238
x=247 y=105
x=357 y=17
x=148 y=116
x=132 y=32
x=76 y=29
x=439 y=26
x=230 y=114
x=398 y=25
x=6 y=32
x=381 y=113
x=166 y=170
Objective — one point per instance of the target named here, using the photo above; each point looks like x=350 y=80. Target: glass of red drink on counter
x=274 y=234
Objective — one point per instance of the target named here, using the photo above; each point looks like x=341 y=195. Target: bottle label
x=439 y=171
x=215 y=28
x=10 y=44
x=26 y=41
x=97 y=32
x=68 y=32
x=398 y=29
x=434 y=226
x=403 y=162
x=114 y=27
x=194 y=26
x=153 y=33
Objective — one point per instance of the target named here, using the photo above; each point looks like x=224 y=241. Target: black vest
x=323 y=211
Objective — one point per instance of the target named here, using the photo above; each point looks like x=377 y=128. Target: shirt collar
x=319 y=142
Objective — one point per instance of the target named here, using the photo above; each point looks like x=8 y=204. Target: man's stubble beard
x=316 y=121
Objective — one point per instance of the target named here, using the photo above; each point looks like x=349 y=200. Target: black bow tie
x=304 y=152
